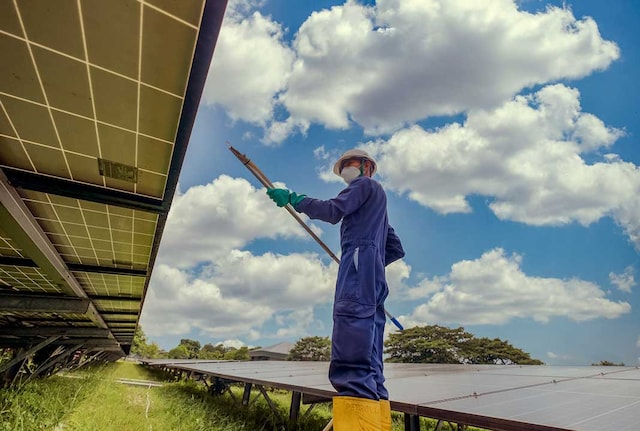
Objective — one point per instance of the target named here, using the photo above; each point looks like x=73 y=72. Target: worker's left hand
x=279 y=196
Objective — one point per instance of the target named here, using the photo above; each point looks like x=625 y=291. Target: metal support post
x=411 y=422
x=246 y=395
x=271 y=405
x=294 y=410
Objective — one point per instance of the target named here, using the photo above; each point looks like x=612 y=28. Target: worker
x=368 y=244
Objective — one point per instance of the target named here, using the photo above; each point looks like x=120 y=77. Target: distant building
x=277 y=352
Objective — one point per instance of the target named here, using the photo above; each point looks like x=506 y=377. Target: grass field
x=93 y=400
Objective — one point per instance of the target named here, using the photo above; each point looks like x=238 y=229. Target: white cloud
x=389 y=65
x=493 y=290
x=176 y=304
x=203 y=281
x=526 y=154
x=624 y=281
x=281 y=282
x=297 y=323
x=234 y=343
x=638 y=342
x=207 y=221
x=250 y=66
x=278 y=131
x=401 y=61
x=238 y=294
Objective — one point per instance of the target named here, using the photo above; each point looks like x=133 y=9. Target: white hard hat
x=354 y=154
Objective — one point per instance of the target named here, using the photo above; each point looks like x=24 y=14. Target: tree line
x=428 y=344
x=186 y=349
x=423 y=344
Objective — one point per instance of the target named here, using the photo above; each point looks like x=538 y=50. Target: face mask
x=350 y=173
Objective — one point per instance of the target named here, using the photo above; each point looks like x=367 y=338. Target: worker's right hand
x=279 y=196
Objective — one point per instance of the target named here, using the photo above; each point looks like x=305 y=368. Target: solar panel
x=97 y=101
x=509 y=398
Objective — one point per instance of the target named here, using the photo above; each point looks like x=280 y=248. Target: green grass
x=92 y=400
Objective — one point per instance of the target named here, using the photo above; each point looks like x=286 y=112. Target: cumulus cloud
x=624 y=281
x=494 y=290
x=207 y=221
x=395 y=63
x=233 y=343
x=238 y=294
x=527 y=154
x=204 y=281
x=250 y=67
x=178 y=303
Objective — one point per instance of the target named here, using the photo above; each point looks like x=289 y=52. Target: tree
x=179 y=352
x=209 y=351
x=192 y=346
x=427 y=344
x=608 y=364
x=139 y=343
x=241 y=354
x=439 y=344
x=311 y=349
x=496 y=351
x=140 y=346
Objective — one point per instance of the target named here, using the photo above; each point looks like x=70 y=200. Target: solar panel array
x=503 y=398
x=97 y=101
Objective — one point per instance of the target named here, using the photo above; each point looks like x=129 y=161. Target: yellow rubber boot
x=385 y=415
x=356 y=414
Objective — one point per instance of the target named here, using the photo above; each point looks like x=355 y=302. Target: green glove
x=279 y=196
x=283 y=197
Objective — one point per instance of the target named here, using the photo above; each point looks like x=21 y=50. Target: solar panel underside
x=509 y=398
x=96 y=89
x=92 y=93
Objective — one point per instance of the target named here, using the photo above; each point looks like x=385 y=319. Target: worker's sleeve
x=393 y=250
x=333 y=210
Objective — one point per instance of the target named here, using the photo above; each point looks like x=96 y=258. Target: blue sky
x=506 y=135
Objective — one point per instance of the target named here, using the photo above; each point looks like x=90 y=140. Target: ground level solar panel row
x=510 y=398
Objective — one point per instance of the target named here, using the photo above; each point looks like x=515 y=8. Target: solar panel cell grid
x=27 y=279
x=13 y=154
x=8 y=247
x=31 y=123
x=89 y=89
x=157 y=48
x=123 y=304
x=113 y=47
x=8 y=18
x=56 y=25
x=111 y=237
x=189 y=12
x=47 y=318
x=112 y=285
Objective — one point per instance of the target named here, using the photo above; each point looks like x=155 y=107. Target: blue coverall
x=368 y=244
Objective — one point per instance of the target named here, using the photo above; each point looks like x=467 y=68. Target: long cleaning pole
x=268 y=184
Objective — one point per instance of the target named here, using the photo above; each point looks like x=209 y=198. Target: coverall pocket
x=353 y=309
x=355 y=289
